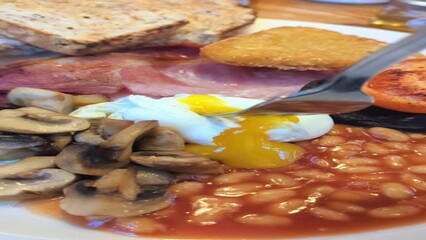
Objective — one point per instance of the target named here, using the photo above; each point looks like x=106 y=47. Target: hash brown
x=298 y=48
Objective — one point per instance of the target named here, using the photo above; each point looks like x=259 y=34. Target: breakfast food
x=145 y=72
x=401 y=87
x=155 y=165
x=128 y=162
x=53 y=25
x=87 y=27
x=298 y=48
x=209 y=21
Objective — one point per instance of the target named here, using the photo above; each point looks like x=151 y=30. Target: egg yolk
x=247 y=146
x=206 y=104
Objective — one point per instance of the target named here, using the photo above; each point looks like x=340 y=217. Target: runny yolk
x=206 y=104
x=247 y=146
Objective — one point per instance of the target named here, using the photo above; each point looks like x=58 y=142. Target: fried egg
x=247 y=142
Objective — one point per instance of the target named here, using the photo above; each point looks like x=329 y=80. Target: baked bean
x=232 y=178
x=238 y=190
x=398 y=146
x=420 y=149
x=346 y=207
x=290 y=206
x=349 y=146
x=210 y=210
x=344 y=154
x=388 y=134
x=279 y=180
x=375 y=148
x=314 y=174
x=320 y=190
x=139 y=225
x=271 y=195
x=352 y=196
x=421 y=169
x=263 y=219
x=337 y=130
x=414 y=181
x=357 y=169
x=396 y=190
x=395 y=211
x=375 y=177
x=359 y=161
x=323 y=163
x=395 y=161
x=328 y=214
x=186 y=188
x=331 y=140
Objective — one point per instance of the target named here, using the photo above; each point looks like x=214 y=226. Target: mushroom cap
x=88 y=159
x=39 y=121
x=41 y=98
x=20 y=141
x=150 y=176
x=160 y=139
x=42 y=183
x=177 y=161
x=83 y=200
x=25 y=166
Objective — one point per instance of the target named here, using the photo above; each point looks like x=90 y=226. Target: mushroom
x=46 y=182
x=83 y=100
x=99 y=131
x=25 y=166
x=160 y=139
x=114 y=195
x=19 y=146
x=45 y=99
x=97 y=160
x=59 y=141
x=177 y=161
x=150 y=176
x=38 y=121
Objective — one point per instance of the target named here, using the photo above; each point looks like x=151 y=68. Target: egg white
x=195 y=128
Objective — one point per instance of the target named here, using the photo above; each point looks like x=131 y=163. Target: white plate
x=18 y=224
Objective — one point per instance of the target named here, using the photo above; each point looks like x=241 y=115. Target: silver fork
x=343 y=92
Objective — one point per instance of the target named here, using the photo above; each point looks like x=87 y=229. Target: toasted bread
x=298 y=48
x=86 y=26
x=209 y=21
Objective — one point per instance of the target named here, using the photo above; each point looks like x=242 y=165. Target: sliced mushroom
x=83 y=100
x=101 y=130
x=26 y=166
x=160 y=139
x=59 y=141
x=41 y=98
x=97 y=160
x=89 y=136
x=122 y=181
x=38 y=121
x=20 y=141
x=82 y=199
x=150 y=176
x=177 y=161
x=46 y=182
x=109 y=127
x=19 y=146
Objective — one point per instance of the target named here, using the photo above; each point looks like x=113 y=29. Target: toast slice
x=209 y=21
x=298 y=48
x=86 y=26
